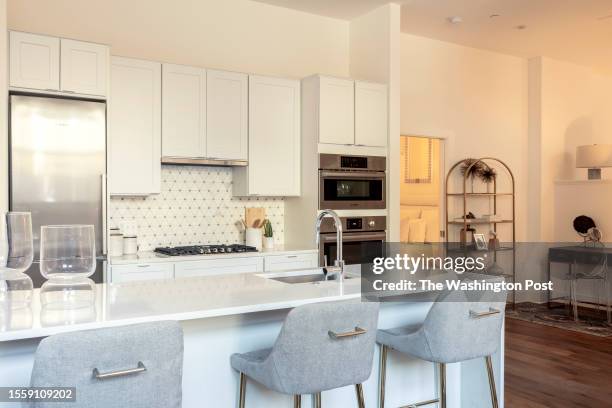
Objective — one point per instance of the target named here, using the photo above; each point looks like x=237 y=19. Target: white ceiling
x=578 y=31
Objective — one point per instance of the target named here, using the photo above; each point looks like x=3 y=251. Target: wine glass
x=67 y=251
x=16 y=256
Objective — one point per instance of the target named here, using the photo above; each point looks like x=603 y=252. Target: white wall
x=374 y=56
x=235 y=35
x=475 y=99
x=571 y=106
x=3 y=112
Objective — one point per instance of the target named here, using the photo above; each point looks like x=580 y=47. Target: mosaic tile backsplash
x=195 y=206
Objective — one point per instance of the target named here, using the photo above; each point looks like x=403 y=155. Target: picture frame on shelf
x=481 y=242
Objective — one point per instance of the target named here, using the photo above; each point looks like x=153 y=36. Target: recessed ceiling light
x=521 y=27
x=455 y=20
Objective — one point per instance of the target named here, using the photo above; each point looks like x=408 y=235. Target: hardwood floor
x=550 y=367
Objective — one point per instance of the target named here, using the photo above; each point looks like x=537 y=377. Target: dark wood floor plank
x=548 y=367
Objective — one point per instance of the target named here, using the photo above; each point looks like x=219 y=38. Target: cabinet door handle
x=292 y=256
x=143 y=266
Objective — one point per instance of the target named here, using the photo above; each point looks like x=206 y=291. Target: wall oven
x=352 y=182
x=363 y=239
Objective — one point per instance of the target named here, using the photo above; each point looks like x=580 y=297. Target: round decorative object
x=582 y=224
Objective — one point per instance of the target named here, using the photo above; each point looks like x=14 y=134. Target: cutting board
x=254 y=216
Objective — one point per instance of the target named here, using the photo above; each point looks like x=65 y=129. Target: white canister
x=116 y=244
x=130 y=244
x=253 y=237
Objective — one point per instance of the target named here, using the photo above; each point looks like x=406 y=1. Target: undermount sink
x=301 y=277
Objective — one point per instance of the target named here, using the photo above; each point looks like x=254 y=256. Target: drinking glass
x=16 y=255
x=67 y=251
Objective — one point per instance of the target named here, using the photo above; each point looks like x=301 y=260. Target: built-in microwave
x=363 y=239
x=352 y=182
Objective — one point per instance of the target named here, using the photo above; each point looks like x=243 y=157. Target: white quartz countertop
x=118 y=304
x=150 y=256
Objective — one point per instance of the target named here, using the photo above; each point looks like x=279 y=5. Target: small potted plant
x=268 y=235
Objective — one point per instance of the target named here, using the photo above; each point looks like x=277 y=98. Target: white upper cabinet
x=135 y=127
x=226 y=115
x=274 y=139
x=336 y=111
x=84 y=67
x=183 y=111
x=371 y=116
x=34 y=61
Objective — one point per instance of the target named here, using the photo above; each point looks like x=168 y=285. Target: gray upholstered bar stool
x=320 y=347
x=460 y=326
x=136 y=366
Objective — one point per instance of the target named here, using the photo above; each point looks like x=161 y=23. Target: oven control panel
x=356 y=224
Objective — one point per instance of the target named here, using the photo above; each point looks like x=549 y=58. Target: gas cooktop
x=204 y=249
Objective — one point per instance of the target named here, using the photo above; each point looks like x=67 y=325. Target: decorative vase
x=268 y=242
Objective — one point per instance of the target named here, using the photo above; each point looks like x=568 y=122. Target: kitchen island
x=226 y=314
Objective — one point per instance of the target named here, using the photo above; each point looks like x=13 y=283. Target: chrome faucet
x=338 y=268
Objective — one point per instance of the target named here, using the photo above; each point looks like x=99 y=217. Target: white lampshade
x=594 y=156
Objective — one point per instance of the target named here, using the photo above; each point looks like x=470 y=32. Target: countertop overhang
x=118 y=304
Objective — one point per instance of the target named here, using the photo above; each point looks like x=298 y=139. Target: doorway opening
x=421 y=175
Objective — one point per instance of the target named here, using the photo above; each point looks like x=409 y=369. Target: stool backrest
x=150 y=356
x=319 y=347
x=462 y=325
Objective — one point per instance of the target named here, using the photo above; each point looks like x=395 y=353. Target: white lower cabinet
x=141 y=272
x=290 y=262
x=211 y=267
x=218 y=267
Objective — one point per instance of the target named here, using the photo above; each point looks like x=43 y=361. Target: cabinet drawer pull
x=356 y=332
x=120 y=373
x=478 y=315
x=292 y=256
x=143 y=266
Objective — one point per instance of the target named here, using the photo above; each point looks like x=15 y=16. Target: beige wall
x=235 y=35
x=3 y=112
x=570 y=106
x=476 y=100
x=374 y=56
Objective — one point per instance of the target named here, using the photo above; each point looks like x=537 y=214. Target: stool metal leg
x=492 y=382
x=382 y=373
x=359 y=392
x=242 y=390
x=297 y=401
x=442 y=394
x=316 y=398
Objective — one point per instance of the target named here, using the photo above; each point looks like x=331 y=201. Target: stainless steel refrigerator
x=58 y=166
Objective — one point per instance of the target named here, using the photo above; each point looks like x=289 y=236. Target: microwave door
x=341 y=190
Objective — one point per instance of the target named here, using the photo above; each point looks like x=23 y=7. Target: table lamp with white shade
x=594 y=157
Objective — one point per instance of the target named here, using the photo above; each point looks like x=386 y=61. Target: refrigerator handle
x=104 y=229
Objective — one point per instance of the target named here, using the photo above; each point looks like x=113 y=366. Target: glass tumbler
x=16 y=255
x=67 y=251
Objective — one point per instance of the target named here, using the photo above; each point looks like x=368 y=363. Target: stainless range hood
x=202 y=161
